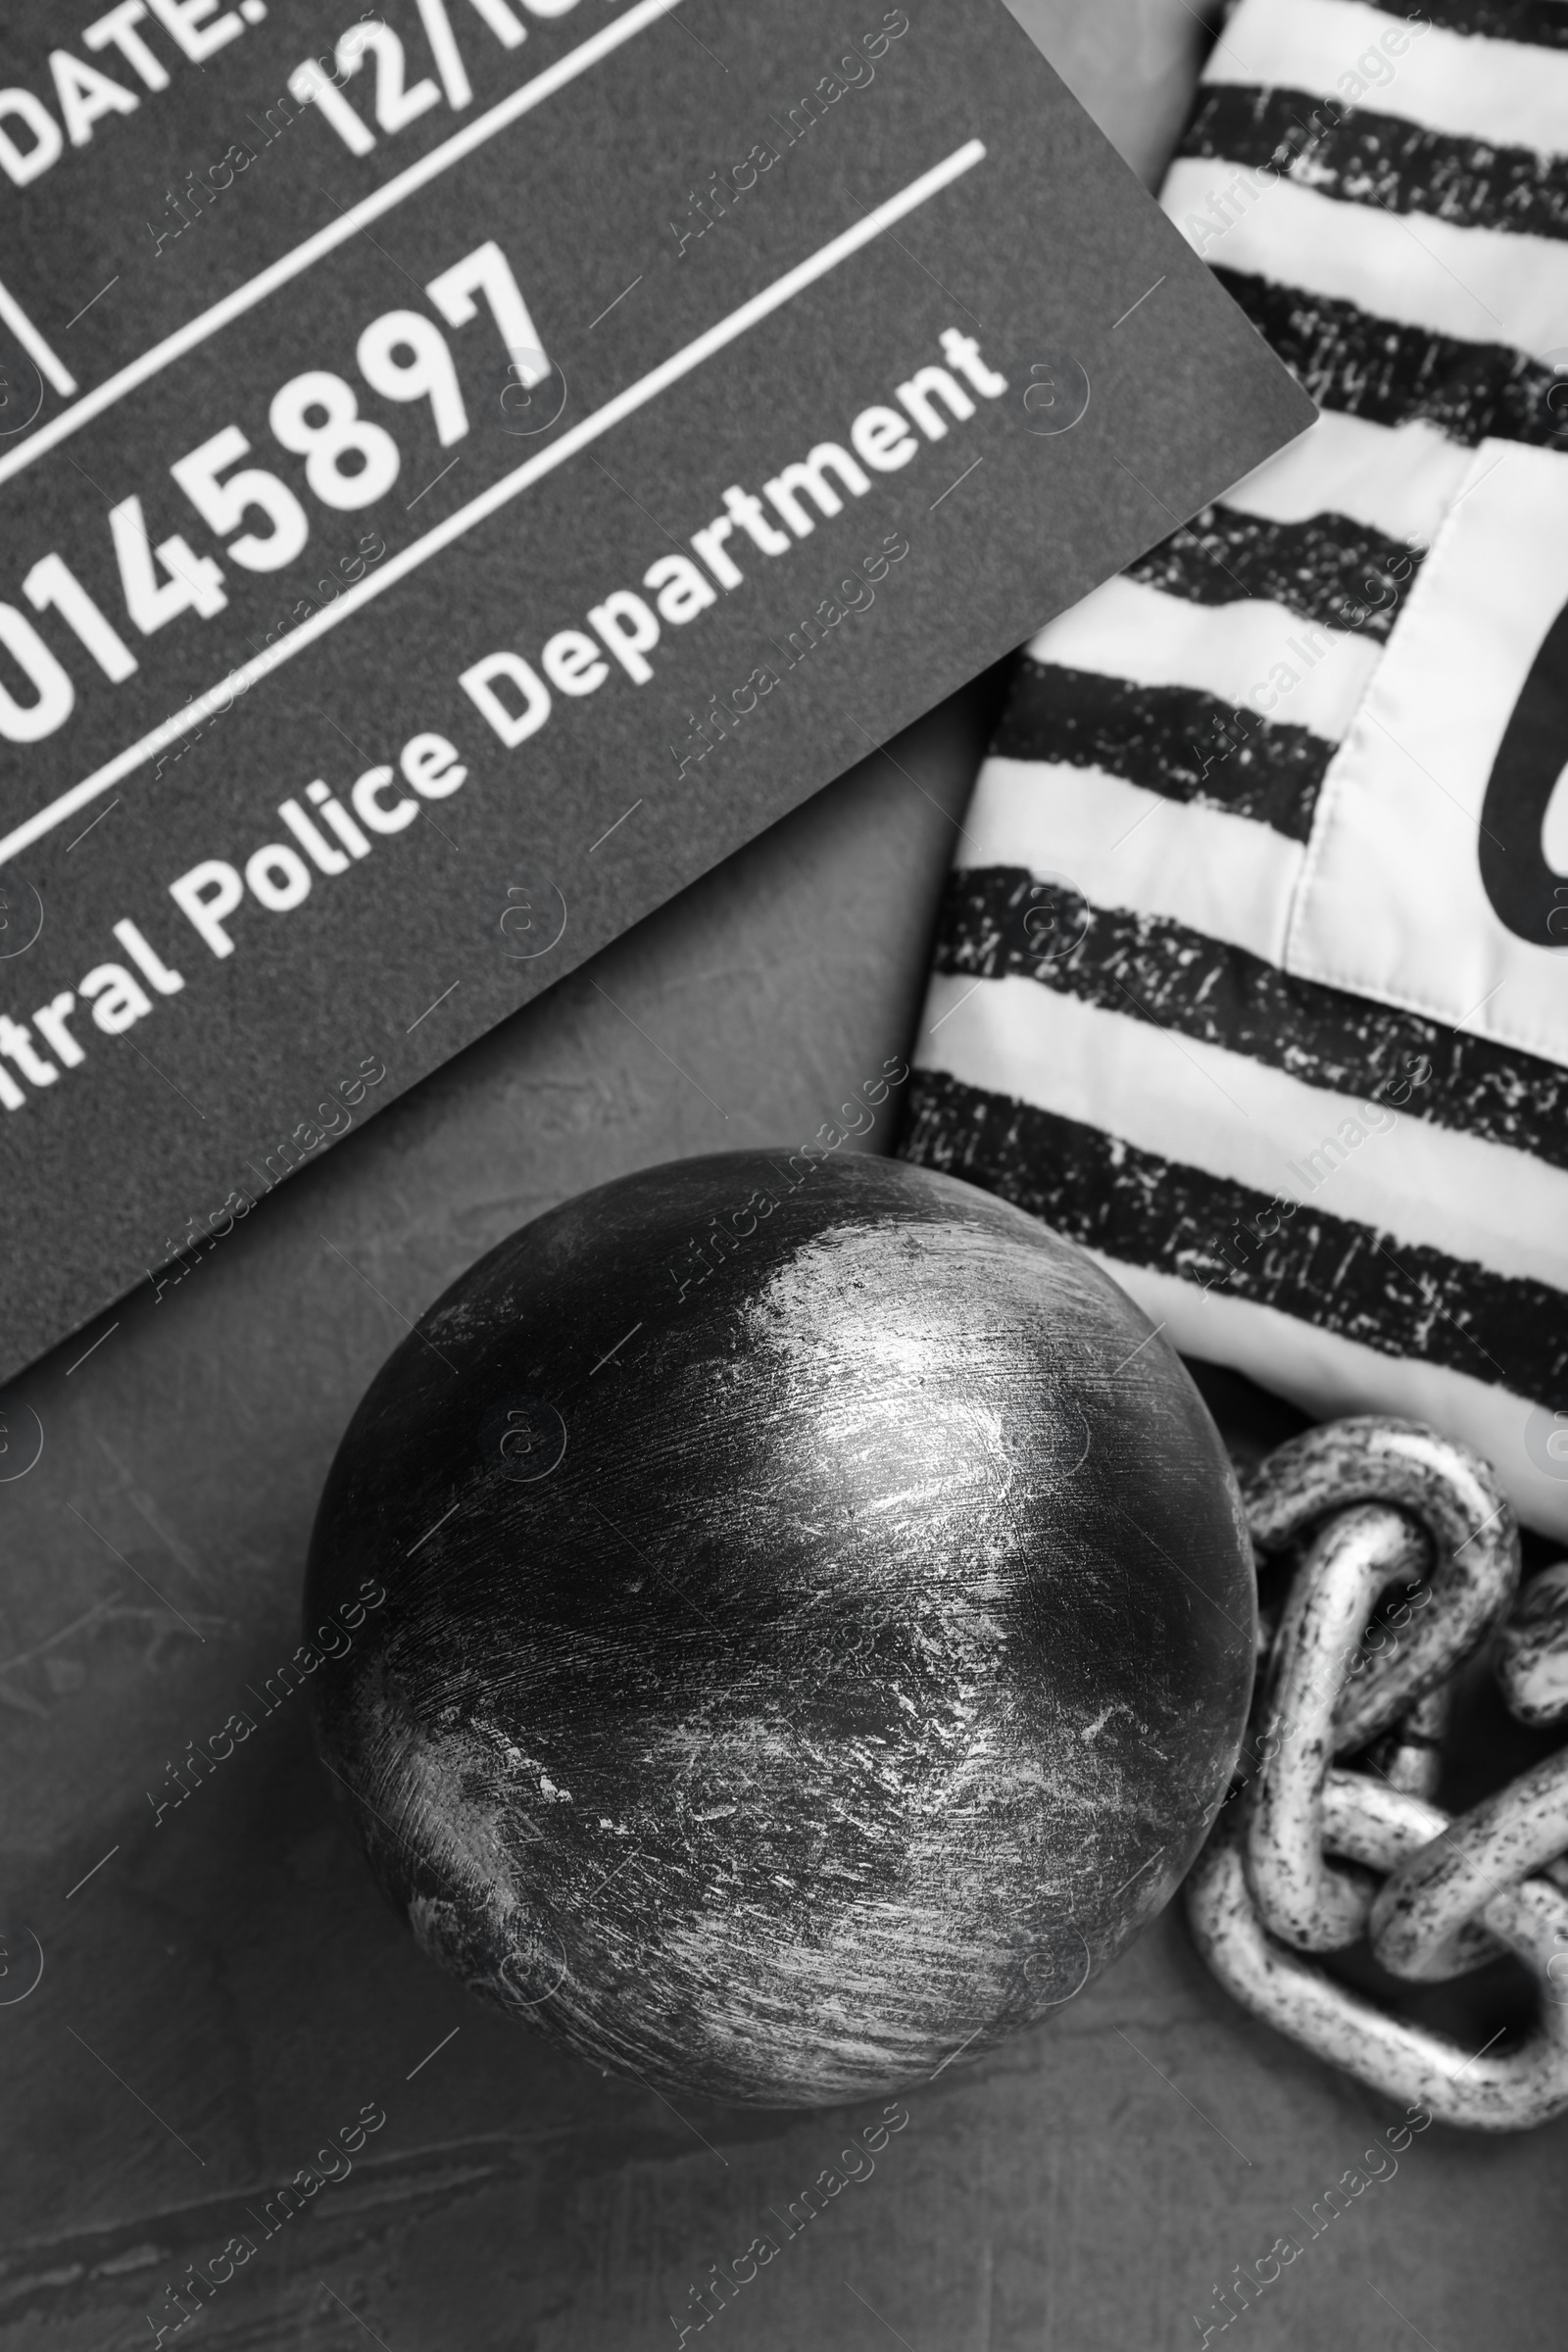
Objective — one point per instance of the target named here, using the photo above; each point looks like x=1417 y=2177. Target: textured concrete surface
x=223 y=1990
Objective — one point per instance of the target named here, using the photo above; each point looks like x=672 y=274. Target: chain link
x=1533 y=1664
x=1450 y=1492
x=1355 y=1557
x=1489 y=2090
x=1419 y=1919
x=1316 y=1857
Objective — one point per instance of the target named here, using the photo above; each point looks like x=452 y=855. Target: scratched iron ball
x=818 y=1627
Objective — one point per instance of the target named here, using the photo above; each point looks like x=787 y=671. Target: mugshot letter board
x=429 y=435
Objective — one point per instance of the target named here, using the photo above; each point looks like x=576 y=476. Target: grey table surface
x=222 y=1988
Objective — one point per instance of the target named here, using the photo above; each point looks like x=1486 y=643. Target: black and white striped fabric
x=1252 y=970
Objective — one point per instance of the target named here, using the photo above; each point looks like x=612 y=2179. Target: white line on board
x=36 y=349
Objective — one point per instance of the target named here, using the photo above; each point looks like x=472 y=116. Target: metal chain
x=1533 y=1664
x=1450 y=1492
x=1358 y=1554
x=1315 y=1857
x=1485 y=2091
x=1410 y=1756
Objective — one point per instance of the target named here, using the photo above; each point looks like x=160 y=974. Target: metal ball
x=814 y=1632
